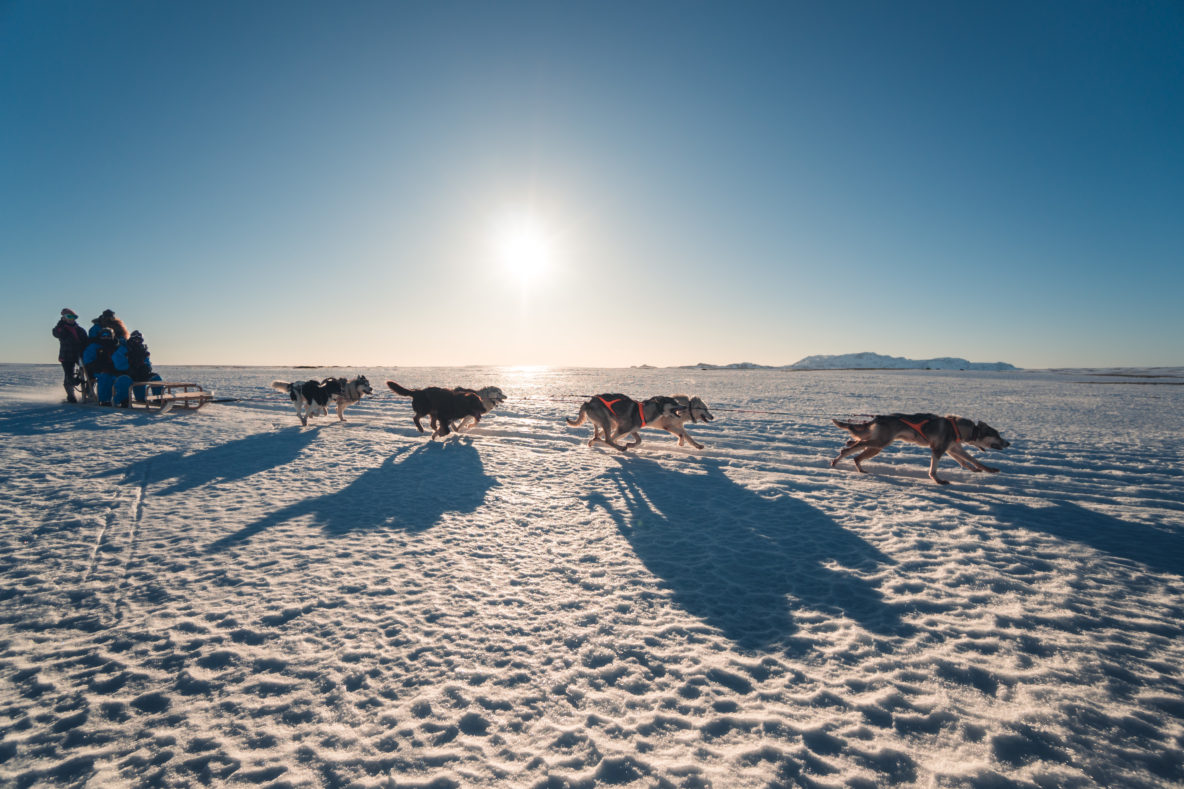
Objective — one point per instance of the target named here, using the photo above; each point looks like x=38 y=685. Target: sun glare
x=523 y=246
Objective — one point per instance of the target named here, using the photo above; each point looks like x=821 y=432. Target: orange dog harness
x=609 y=405
x=917 y=426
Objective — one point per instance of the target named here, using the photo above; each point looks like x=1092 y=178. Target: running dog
x=692 y=408
x=614 y=416
x=309 y=396
x=444 y=406
x=491 y=398
x=351 y=392
x=942 y=434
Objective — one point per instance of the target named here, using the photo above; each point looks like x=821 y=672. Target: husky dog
x=351 y=392
x=309 y=396
x=615 y=415
x=491 y=398
x=692 y=408
x=443 y=405
x=941 y=434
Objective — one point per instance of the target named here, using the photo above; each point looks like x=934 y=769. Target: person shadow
x=740 y=561
x=1160 y=548
x=411 y=493
x=227 y=462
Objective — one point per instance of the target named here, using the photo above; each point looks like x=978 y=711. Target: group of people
x=107 y=355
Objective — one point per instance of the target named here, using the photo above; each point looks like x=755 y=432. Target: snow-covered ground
x=224 y=597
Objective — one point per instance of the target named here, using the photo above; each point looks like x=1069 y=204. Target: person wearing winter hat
x=99 y=361
x=72 y=341
x=107 y=320
x=139 y=364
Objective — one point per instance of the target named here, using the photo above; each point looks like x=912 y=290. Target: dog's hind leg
x=854 y=445
x=870 y=452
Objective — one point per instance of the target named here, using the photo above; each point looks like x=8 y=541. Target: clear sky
x=596 y=183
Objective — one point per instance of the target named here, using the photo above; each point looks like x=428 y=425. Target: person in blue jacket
x=72 y=340
x=106 y=359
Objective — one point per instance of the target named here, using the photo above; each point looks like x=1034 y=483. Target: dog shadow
x=1161 y=549
x=234 y=460
x=740 y=561
x=412 y=493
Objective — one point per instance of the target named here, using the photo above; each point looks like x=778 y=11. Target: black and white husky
x=310 y=396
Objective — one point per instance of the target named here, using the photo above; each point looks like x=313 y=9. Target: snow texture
x=225 y=598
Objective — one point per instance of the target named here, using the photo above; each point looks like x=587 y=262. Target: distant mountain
x=861 y=361
x=733 y=366
x=878 y=361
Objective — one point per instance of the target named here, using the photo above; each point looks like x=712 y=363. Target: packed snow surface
x=226 y=598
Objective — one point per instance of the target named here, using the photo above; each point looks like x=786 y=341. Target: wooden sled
x=164 y=396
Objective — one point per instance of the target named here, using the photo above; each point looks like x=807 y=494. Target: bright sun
x=523 y=246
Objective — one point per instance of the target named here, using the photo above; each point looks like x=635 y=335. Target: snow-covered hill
x=862 y=361
x=868 y=360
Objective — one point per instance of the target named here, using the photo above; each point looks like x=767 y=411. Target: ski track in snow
x=225 y=598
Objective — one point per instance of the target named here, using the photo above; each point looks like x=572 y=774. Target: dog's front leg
x=959 y=454
x=937 y=453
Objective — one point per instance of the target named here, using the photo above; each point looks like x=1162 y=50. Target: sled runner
x=164 y=396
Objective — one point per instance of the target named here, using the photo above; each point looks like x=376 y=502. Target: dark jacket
x=72 y=340
x=98 y=356
x=139 y=361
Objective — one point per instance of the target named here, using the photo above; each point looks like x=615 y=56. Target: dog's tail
x=282 y=386
x=580 y=417
x=854 y=428
x=401 y=390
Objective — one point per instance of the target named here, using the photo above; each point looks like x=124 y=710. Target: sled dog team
x=616 y=416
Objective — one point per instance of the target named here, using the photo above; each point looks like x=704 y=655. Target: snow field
x=226 y=598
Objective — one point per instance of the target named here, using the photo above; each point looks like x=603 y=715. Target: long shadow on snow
x=1159 y=548
x=233 y=460
x=65 y=418
x=410 y=494
x=731 y=556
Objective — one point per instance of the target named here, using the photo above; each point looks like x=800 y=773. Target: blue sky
x=325 y=183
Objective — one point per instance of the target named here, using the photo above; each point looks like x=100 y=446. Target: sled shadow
x=66 y=418
x=732 y=557
x=410 y=494
x=1159 y=548
x=227 y=462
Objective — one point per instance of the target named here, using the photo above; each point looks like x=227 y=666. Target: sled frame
x=171 y=395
